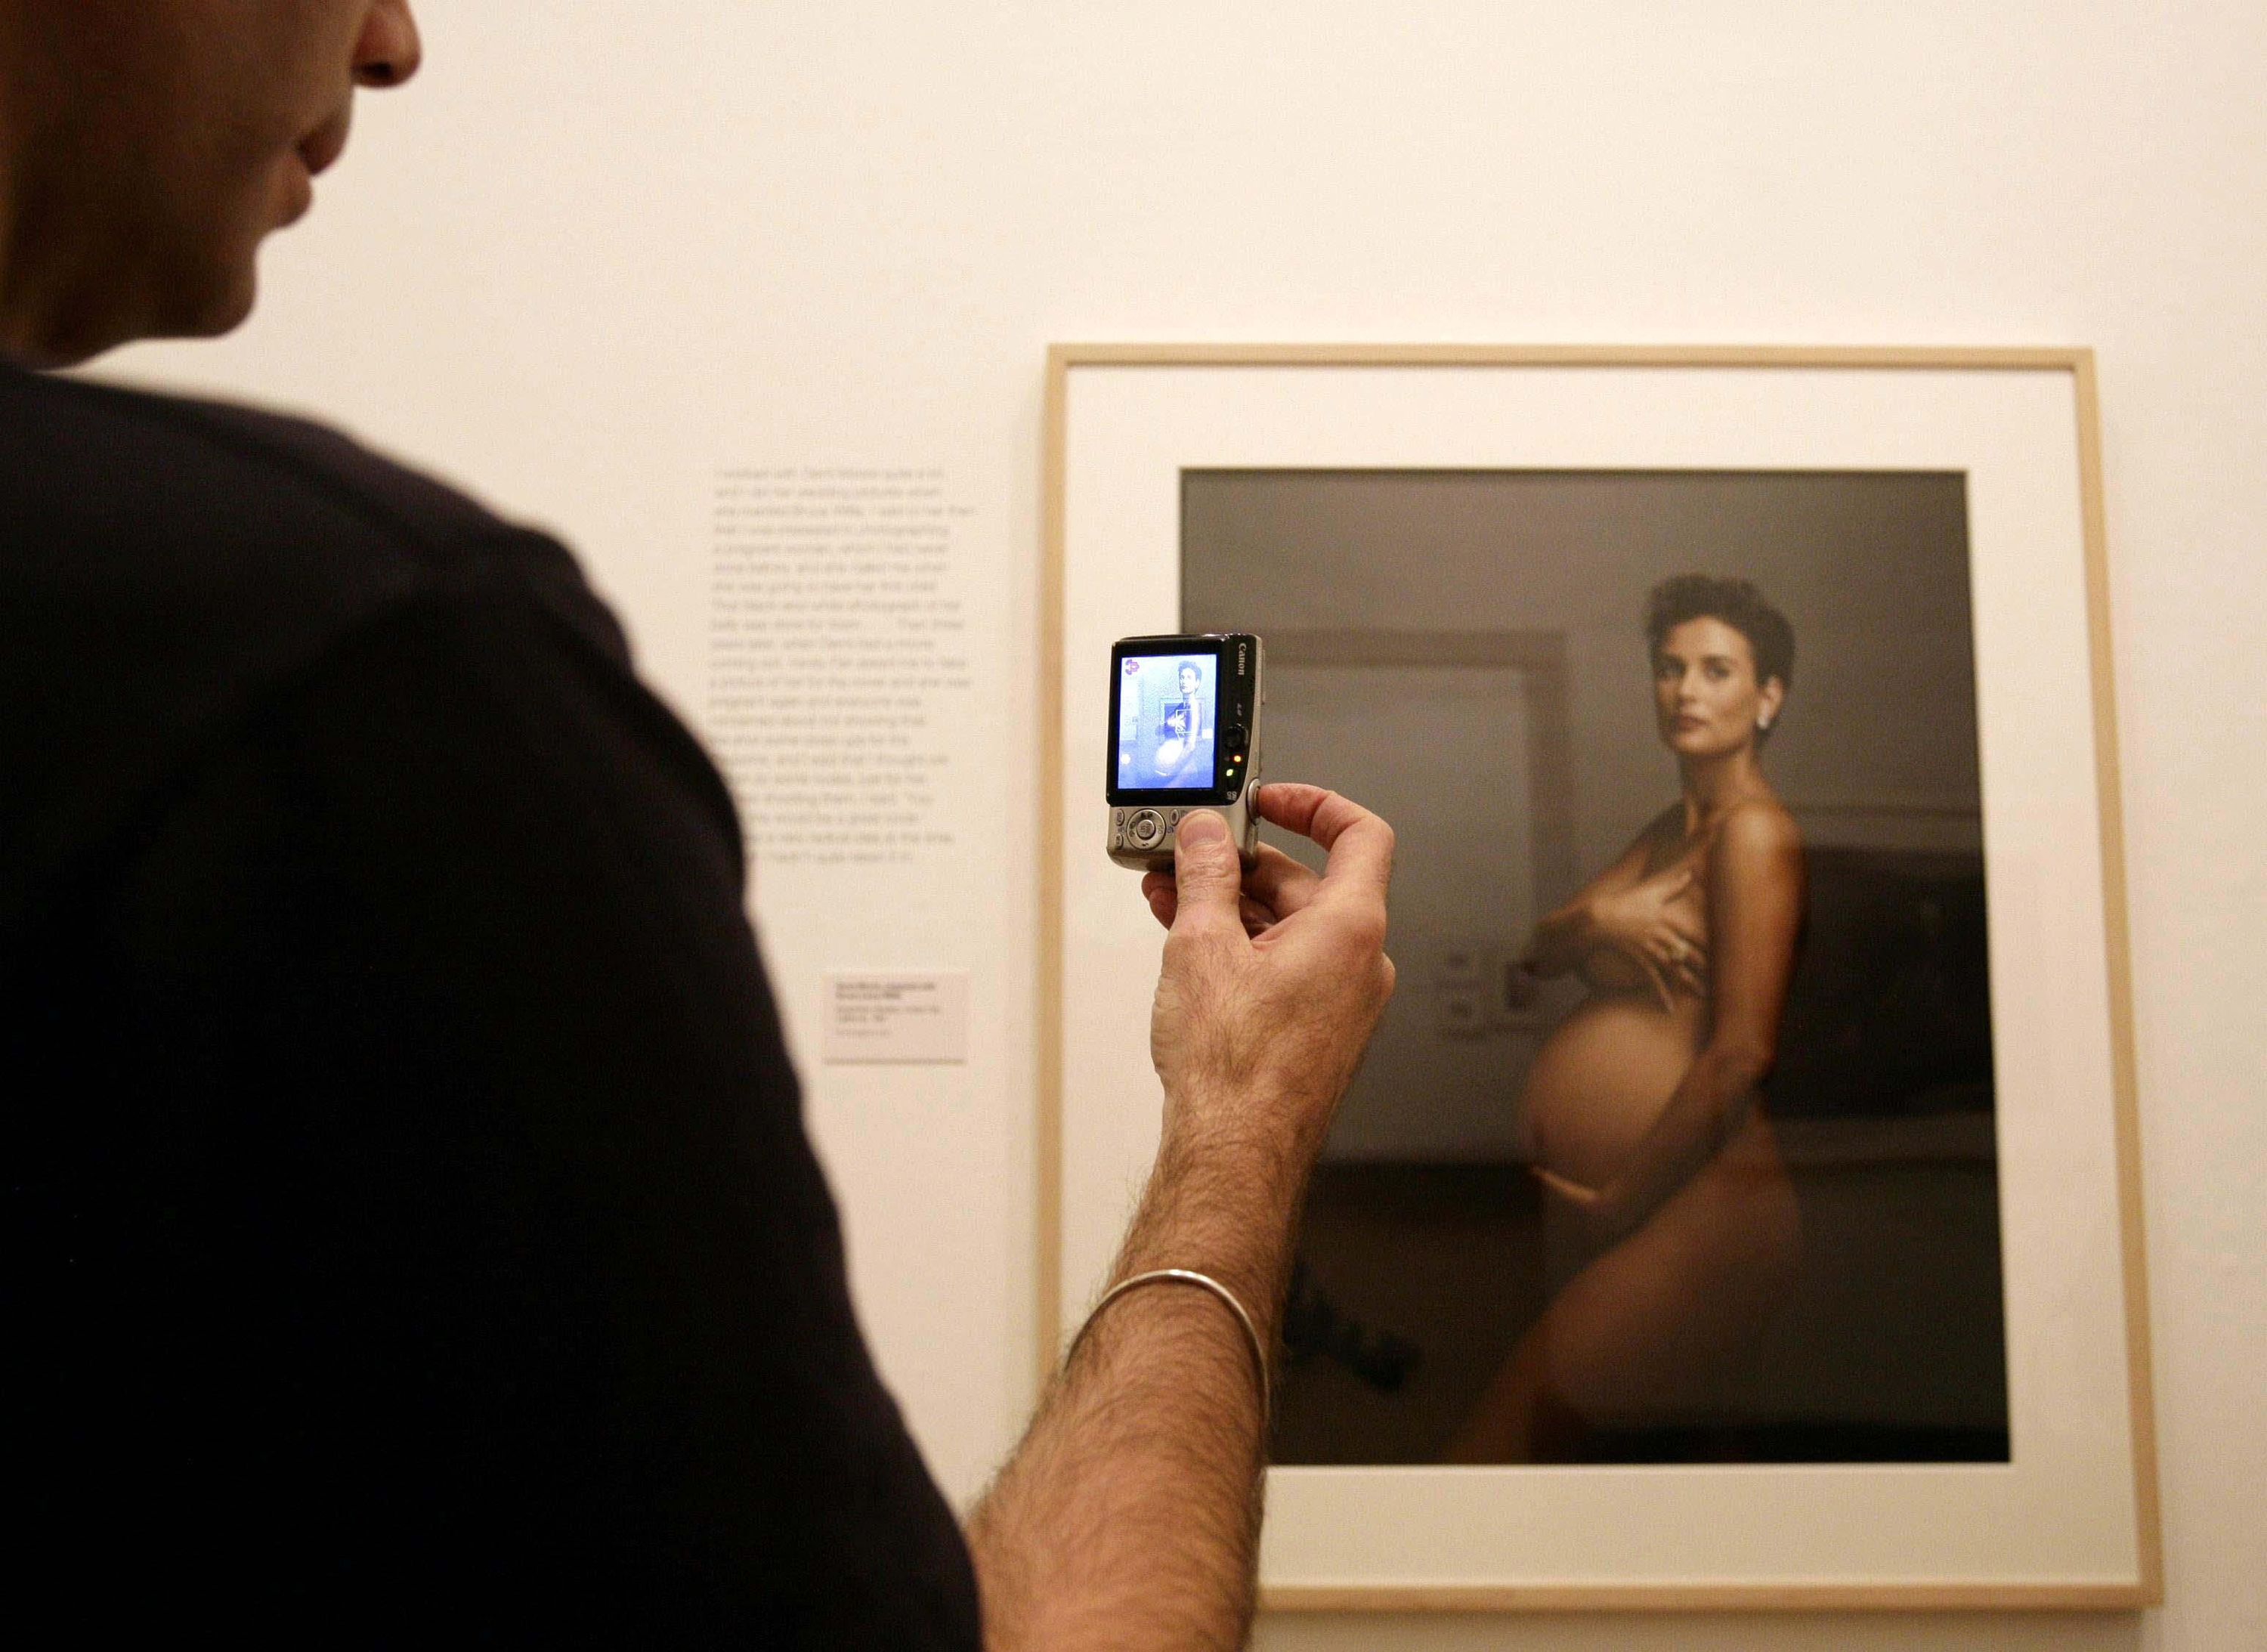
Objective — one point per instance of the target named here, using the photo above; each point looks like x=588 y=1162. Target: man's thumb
x=1206 y=869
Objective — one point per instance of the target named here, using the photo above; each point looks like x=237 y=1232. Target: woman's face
x=1704 y=694
x=1188 y=682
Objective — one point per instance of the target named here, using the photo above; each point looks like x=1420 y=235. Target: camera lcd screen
x=1167 y=704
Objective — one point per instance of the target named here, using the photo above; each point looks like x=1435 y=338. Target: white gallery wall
x=601 y=252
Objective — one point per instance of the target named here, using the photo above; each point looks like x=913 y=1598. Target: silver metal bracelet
x=1203 y=1281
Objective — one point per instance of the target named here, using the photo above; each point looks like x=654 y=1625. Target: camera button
x=1146 y=830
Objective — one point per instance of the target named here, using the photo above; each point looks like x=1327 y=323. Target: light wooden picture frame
x=1198 y=486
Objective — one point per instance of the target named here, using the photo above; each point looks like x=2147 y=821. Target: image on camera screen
x=1165 y=708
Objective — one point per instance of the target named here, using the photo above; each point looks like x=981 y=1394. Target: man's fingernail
x=1202 y=826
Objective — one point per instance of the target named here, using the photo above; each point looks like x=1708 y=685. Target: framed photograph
x=1739 y=1204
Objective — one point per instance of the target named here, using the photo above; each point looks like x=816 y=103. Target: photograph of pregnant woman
x=1658 y=1163
x=1678 y=1144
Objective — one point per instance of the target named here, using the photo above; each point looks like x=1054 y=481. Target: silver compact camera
x=1184 y=735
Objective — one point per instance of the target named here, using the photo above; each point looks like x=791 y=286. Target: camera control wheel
x=1146 y=829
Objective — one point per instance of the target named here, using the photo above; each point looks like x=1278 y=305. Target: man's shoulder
x=149 y=535
x=168 y=562
x=147 y=477
x=285 y=518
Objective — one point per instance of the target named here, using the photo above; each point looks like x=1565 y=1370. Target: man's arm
x=1130 y=1515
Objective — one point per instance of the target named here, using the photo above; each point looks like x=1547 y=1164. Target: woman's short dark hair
x=1735 y=602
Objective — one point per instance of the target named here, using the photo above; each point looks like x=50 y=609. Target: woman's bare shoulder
x=1758 y=828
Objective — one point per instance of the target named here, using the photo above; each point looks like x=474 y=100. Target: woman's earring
x=1763 y=722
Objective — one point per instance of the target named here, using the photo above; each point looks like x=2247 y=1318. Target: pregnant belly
x=1600 y=1081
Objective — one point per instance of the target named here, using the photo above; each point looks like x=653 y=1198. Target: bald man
x=411 y=1232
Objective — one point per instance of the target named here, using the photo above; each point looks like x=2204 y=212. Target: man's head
x=147 y=147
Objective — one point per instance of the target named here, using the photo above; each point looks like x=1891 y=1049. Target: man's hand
x=1272 y=983
x=1130 y=1515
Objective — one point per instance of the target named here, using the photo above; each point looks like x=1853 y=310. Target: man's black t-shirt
x=410 y=1229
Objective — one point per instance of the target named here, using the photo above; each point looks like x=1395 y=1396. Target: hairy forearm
x=1129 y=1517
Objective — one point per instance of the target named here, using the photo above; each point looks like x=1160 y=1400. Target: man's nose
x=389 y=51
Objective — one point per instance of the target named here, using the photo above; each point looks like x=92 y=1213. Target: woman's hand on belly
x=1572 y=1192
x=1600 y=1079
x=1600 y=1217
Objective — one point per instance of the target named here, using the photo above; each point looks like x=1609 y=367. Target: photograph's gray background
x=598 y=251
